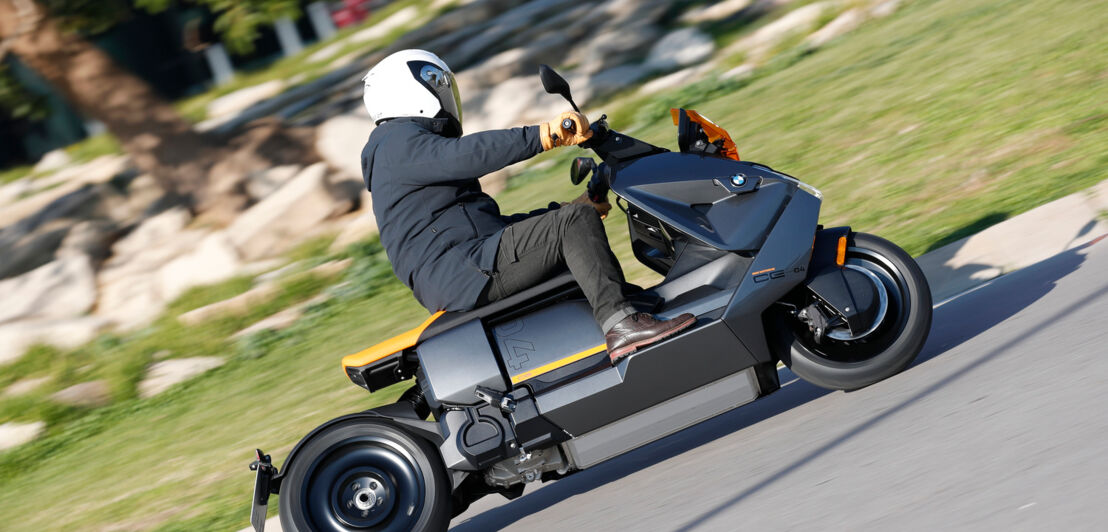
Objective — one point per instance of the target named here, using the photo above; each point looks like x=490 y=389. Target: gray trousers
x=543 y=246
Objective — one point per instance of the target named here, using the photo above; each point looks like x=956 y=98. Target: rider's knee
x=577 y=215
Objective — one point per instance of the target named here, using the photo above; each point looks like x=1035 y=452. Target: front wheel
x=838 y=360
x=365 y=476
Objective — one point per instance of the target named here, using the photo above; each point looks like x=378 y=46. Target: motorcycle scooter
x=523 y=390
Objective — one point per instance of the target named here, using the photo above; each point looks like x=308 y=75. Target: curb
x=1017 y=242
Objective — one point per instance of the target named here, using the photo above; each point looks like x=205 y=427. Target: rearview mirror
x=580 y=169
x=554 y=83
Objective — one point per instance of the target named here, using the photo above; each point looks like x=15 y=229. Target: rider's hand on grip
x=570 y=128
x=601 y=208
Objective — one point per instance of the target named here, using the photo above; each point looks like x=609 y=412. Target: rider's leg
x=540 y=247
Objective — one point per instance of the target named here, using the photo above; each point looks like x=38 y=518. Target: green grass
x=919 y=126
x=922 y=127
x=15 y=173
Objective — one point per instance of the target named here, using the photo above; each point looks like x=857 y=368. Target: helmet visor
x=442 y=84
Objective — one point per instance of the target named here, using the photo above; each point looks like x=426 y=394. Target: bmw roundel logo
x=738 y=180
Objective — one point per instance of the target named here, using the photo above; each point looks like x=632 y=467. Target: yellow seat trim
x=392 y=345
x=547 y=368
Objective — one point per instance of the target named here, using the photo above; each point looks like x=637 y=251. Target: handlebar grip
x=597 y=189
x=568 y=125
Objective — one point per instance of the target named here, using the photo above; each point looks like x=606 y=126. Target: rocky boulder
x=15 y=190
x=25 y=386
x=14 y=433
x=500 y=29
x=53 y=160
x=161 y=376
x=612 y=80
x=60 y=289
x=129 y=281
x=675 y=80
x=393 y=22
x=24 y=251
x=17 y=336
x=89 y=238
x=281 y=320
x=614 y=48
x=261 y=184
x=759 y=44
x=274 y=225
x=240 y=100
x=212 y=261
x=235 y=305
x=844 y=23
x=33 y=228
x=680 y=48
x=714 y=11
x=86 y=394
x=339 y=141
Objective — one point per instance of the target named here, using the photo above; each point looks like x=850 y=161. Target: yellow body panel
x=392 y=345
x=547 y=368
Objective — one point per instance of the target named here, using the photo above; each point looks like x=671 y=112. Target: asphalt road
x=1001 y=424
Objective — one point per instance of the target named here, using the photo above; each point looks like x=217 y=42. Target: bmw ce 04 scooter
x=523 y=390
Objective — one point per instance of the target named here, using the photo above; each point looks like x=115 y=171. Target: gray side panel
x=662 y=420
x=546 y=336
x=457 y=361
x=652 y=375
x=779 y=266
x=724 y=272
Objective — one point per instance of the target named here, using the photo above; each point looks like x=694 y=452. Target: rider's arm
x=432 y=158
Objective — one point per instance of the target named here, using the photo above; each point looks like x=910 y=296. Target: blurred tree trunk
x=158 y=139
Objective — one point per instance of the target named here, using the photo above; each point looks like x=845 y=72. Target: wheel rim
x=365 y=483
x=889 y=324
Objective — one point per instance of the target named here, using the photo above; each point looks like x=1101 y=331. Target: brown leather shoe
x=642 y=329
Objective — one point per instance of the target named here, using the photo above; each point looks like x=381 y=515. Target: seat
x=391 y=346
x=442 y=321
x=561 y=285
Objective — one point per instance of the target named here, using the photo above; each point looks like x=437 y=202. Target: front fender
x=847 y=291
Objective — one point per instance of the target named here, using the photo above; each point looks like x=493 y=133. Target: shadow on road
x=955 y=322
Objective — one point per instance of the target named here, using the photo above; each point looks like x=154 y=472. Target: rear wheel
x=365 y=476
x=839 y=360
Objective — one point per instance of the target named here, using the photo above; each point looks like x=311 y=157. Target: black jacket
x=440 y=231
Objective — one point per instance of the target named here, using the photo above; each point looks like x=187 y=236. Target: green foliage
x=370 y=271
x=16 y=102
x=313 y=250
x=198 y=296
x=237 y=21
x=93 y=147
x=15 y=173
x=88 y=17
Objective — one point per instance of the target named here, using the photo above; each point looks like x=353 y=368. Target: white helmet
x=412 y=83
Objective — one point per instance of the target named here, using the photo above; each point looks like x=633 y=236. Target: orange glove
x=552 y=134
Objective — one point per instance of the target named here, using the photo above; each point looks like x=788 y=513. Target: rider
x=446 y=238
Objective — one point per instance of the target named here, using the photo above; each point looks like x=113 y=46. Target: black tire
x=365 y=475
x=849 y=365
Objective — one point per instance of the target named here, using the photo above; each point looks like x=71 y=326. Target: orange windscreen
x=710 y=128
